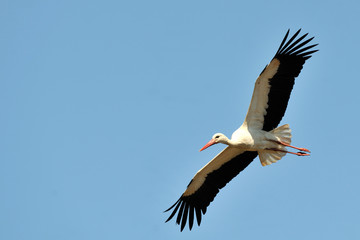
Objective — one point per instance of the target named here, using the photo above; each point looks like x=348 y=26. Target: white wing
x=259 y=101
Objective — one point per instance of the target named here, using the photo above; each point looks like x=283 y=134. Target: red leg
x=288 y=145
x=297 y=154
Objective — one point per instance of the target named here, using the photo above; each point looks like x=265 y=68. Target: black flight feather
x=202 y=197
x=292 y=56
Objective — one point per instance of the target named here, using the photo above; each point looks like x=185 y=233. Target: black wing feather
x=289 y=42
x=214 y=181
x=291 y=47
x=283 y=41
x=191 y=216
x=198 y=215
x=292 y=57
x=292 y=51
x=175 y=210
x=178 y=219
x=184 y=217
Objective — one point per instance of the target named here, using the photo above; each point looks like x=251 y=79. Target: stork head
x=217 y=138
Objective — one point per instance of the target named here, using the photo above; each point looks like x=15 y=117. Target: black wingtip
x=184 y=211
x=191 y=217
x=295 y=46
x=192 y=206
x=283 y=41
x=198 y=215
x=172 y=206
x=174 y=211
x=184 y=217
x=180 y=213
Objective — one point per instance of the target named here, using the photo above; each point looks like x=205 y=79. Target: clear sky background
x=105 y=105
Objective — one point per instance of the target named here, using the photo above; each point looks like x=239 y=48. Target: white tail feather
x=283 y=134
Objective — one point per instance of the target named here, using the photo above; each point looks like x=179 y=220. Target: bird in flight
x=258 y=135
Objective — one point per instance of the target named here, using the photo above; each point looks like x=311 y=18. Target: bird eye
x=217 y=136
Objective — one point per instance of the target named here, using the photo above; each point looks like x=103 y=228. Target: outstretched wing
x=203 y=188
x=269 y=101
x=275 y=83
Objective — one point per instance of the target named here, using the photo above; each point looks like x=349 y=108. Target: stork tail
x=283 y=134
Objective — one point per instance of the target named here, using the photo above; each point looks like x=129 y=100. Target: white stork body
x=258 y=135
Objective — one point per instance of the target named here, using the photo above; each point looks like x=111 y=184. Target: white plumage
x=258 y=135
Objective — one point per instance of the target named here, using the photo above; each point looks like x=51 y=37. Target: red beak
x=211 y=142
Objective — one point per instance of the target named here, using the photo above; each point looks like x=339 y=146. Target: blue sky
x=105 y=104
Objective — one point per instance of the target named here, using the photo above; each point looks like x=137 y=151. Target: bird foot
x=303 y=150
x=302 y=154
x=300 y=149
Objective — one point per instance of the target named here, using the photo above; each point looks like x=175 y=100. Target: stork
x=258 y=135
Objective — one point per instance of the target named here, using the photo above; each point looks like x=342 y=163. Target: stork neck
x=227 y=141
